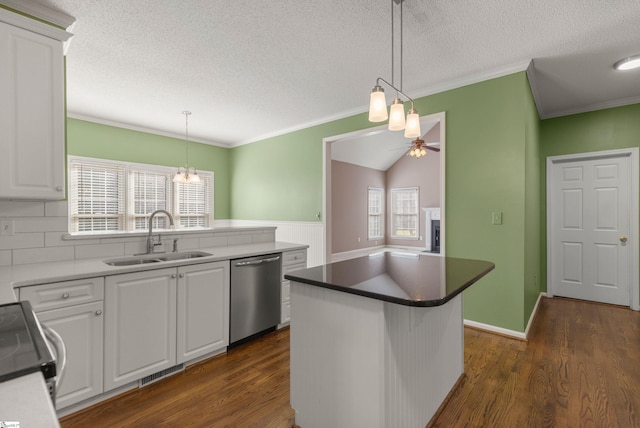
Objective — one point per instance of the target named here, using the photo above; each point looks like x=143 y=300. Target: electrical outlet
x=496 y=217
x=7 y=228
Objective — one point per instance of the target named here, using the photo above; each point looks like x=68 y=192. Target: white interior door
x=590 y=240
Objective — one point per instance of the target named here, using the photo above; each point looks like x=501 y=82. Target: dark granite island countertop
x=377 y=341
x=403 y=278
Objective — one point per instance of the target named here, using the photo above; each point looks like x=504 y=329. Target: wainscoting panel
x=298 y=232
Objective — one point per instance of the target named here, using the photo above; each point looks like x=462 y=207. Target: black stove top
x=23 y=349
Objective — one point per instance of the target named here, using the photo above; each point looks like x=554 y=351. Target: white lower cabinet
x=203 y=309
x=291 y=261
x=74 y=309
x=159 y=318
x=140 y=325
x=81 y=330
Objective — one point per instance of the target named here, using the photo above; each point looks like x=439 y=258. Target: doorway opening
x=378 y=158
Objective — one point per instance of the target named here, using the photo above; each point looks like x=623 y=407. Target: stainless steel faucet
x=150 y=243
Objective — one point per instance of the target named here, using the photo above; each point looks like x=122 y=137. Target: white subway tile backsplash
x=215 y=241
x=264 y=237
x=22 y=240
x=137 y=247
x=55 y=239
x=56 y=209
x=5 y=257
x=21 y=209
x=42 y=255
x=185 y=244
x=239 y=239
x=41 y=238
x=41 y=224
x=98 y=251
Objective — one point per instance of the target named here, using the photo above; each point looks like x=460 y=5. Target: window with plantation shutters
x=97 y=202
x=404 y=213
x=112 y=196
x=193 y=203
x=149 y=191
x=375 y=221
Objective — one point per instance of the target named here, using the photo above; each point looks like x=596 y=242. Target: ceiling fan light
x=396 y=115
x=412 y=129
x=377 y=105
x=628 y=63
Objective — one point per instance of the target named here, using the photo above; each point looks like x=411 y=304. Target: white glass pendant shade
x=412 y=128
x=377 y=105
x=179 y=177
x=194 y=178
x=396 y=115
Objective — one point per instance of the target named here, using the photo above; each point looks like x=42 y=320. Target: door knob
x=623 y=239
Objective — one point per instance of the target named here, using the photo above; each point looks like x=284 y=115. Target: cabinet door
x=32 y=119
x=81 y=330
x=140 y=325
x=203 y=309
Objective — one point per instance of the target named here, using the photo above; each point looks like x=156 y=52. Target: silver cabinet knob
x=59 y=188
x=181 y=275
x=174 y=276
x=98 y=312
x=65 y=295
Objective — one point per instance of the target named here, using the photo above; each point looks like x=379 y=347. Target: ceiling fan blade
x=435 y=149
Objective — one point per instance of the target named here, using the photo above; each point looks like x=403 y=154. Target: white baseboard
x=504 y=331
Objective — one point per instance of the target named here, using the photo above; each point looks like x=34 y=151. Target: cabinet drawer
x=294 y=257
x=63 y=294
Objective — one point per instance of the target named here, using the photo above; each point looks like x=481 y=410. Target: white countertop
x=25 y=399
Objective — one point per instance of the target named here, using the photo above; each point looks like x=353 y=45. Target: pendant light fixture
x=187 y=176
x=378 y=102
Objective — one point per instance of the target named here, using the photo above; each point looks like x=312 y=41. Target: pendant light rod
x=396 y=89
x=186 y=127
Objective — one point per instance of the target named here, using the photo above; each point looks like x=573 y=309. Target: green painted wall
x=281 y=179
x=610 y=129
x=533 y=274
x=109 y=142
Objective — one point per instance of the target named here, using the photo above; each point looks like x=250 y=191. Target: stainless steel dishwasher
x=255 y=296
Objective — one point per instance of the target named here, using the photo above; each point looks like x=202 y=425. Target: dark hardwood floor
x=580 y=368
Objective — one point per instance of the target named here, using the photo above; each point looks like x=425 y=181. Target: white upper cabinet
x=32 y=113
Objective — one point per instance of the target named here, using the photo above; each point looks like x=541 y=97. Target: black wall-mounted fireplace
x=435 y=236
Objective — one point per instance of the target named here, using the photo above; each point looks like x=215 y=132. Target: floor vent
x=159 y=375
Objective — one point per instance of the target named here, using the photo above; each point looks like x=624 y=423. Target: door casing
x=632 y=153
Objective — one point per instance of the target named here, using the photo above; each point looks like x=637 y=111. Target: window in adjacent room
x=404 y=213
x=112 y=196
x=376 y=213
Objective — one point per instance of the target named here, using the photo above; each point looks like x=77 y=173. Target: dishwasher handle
x=257 y=262
x=60 y=350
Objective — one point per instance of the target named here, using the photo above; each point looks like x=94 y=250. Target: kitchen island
x=377 y=341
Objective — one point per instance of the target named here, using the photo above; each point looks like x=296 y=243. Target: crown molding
x=146 y=130
x=34 y=26
x=40 y=11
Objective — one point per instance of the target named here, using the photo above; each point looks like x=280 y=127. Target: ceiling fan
x=419 y=148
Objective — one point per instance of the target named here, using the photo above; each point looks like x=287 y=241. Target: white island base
x=361 y=362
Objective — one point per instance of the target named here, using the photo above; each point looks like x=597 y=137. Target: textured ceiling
x=249 y=69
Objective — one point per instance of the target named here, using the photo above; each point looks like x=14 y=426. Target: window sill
x=133 y=234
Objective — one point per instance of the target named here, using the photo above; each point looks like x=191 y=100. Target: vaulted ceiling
x=250 y=69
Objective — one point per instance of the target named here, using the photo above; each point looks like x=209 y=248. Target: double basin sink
x=156 y=258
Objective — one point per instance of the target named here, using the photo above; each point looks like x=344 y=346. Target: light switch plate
x=7 y=228
x=496 y=217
